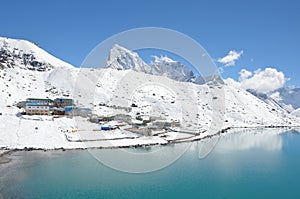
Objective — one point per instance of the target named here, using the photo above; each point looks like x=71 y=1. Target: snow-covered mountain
x=269 y=100
x=288 y=97
x=27 y=70
x=121 y=58
x=27 y=55
x=164 y=66
x=19 y=81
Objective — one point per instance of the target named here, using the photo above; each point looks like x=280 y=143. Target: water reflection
x=140 y=160
x=245 y=139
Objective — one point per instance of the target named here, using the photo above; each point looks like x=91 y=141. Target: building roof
x=69 y=107
x=35 y=104
x=39 y=99
x=63 y=99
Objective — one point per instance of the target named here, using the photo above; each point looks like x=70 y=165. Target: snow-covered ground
x=43 y=133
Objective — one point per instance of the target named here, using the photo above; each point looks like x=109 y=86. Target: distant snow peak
x=164 y=66
x=289 y=95
x=163 y=59
x=121 y=58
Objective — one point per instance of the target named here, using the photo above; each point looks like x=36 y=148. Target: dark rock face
x=21 y=60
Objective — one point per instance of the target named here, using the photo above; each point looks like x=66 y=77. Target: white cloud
x=276 y=96
x=244 y=74
x=262 y=81
x=232 y=82
x=229 y=60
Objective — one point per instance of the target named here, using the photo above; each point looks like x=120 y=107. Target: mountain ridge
x=27 y=55
x=121 y=58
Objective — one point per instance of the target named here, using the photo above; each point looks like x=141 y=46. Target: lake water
x=246 y=164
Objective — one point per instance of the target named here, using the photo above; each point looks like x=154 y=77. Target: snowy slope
x=27 y=55
x=240 y=108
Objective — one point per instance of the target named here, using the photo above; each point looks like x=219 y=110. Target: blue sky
x=268 y=32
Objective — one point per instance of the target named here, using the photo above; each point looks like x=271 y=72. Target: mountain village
x=60 y=107
x=116 y=115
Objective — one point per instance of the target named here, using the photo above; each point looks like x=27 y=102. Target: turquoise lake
x=245 y=164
